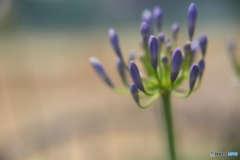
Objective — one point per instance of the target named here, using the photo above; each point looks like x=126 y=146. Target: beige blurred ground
x=54 y=107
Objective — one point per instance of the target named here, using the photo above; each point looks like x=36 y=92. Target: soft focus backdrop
x=54 y=107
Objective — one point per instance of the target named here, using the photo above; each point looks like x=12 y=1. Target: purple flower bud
x=158 y=16
x=153 y=51
x=164 y=60
x=201 y=66
x=147 y=18
x=175 y=29
x=97 y=66
x=176 y=64
x=203 y=43
x=187 y=48
x=131 y=56
x=134 y=92
x=161 y=37
x=114 y=41
x=194 y=72
x=194 y=46
x=145 y=32
x=120 y=68
x=192 y=16
x=134 y=72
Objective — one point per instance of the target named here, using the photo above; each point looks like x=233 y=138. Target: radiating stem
x=169 y=124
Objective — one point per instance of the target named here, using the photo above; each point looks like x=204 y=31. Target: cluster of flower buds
x=233 y=56
x=165 y=67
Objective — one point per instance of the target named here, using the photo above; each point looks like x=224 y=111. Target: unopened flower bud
x=176 y=64
x=134 y=92
x=192 y=17
x=115 y=44
x=153 y=51
x=194 y=73
x=201 y=66
x=97 y=66
x=134 y=72
x=120 y=68
x=203 y=44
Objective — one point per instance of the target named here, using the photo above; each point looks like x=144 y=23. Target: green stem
x=169 y=124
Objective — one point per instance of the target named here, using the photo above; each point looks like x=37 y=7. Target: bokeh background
x=54 y=107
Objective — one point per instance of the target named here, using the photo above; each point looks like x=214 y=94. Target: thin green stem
x=180 y=95
x=169 y=124
x=150 y=101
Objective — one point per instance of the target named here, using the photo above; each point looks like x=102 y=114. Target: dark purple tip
x=194 y=73
x=97 y=66
x=153 y=51
x=192 y=17
x=161 y=37
x=120 y=68
x=203 y=44
x=145 y=32
x=176 y=64
x=134 y=72
x=134 y=92
x=115 y=44
x=187 y=48
x=175 y=29
x=158 y=16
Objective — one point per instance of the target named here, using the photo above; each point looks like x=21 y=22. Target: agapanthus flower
x=165 y=64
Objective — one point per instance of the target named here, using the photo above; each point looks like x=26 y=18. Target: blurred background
x=54 y=107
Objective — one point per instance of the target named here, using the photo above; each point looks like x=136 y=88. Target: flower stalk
x=166 y=102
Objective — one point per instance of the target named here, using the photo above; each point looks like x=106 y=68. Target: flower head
x=165 y=67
